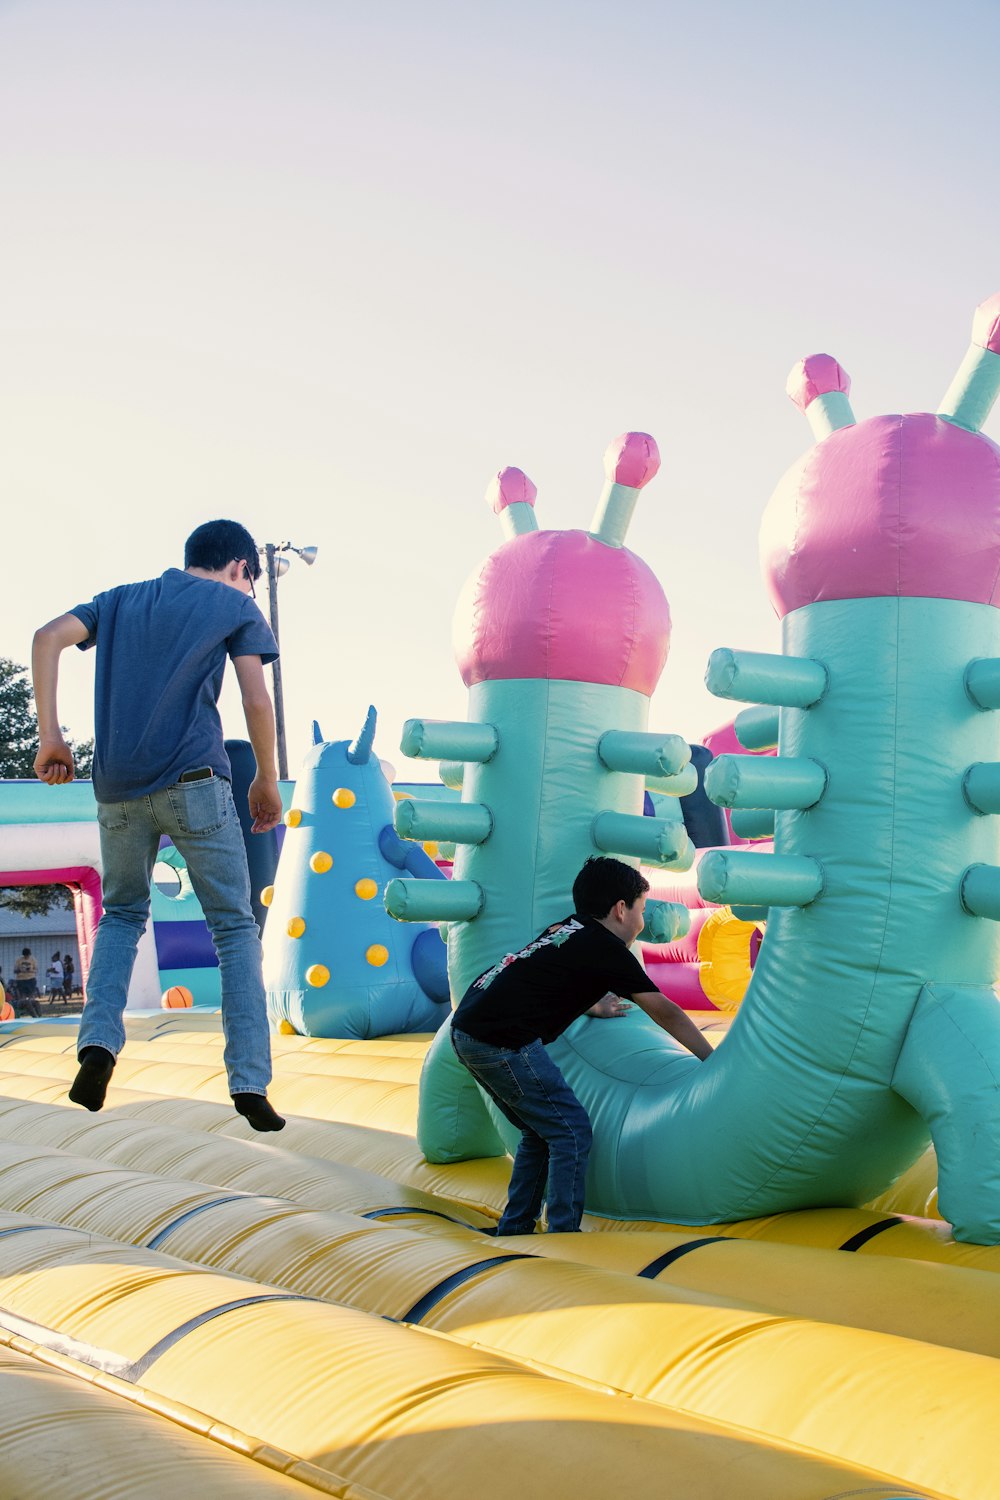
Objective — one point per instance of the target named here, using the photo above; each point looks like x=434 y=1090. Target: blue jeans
x=551 y=1160
x=201 y=819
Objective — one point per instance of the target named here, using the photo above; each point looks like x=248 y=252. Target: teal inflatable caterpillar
x=871 y=1022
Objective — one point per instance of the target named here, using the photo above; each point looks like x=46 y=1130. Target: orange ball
x=296 y=927
x=343 y=797
x=366 y=889
x=377 y=955
x=178 y=997
x=7 y=1012
x=321 y=862
x=317 y=975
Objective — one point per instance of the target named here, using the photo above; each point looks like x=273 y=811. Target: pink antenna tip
x=510 y=487
x=816 y=375
x=632 y=459
x=986 y=324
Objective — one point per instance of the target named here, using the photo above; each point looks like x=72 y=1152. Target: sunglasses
x=247 y=575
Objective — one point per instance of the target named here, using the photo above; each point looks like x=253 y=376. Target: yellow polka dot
x=296 y=927
x=267 y=895
x=285 y=1028
x=321 y=862
x=344 y=797
x=317 y=975
x=366 y=889
x=377 y=955
x=293 y=817
x=402 y=796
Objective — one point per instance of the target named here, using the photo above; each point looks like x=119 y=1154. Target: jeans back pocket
x=200 y=806
x=112 y=816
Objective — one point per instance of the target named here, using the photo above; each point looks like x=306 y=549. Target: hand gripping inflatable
x=561 y=637
x=334 y=965
x=872 y=1014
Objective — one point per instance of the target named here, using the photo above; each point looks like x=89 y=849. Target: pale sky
x=325 y=267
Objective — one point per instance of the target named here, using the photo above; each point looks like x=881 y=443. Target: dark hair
x=25 y=952
x=217 y=543
x=602 y=882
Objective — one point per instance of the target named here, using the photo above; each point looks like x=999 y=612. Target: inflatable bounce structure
x=871 y=1015
x=323 y=1313
x=334 y=964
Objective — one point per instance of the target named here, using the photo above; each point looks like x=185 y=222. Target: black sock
x=91 y=1083
x=256 y=1109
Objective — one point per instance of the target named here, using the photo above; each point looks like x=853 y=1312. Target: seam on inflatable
x=395 y=1213
x=437 y=1293
x=669 y=1256
x=139 y=1367
x=199 y=1208
x=864 y=1235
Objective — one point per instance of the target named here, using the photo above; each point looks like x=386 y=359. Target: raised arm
x=672 y=1019
x=264 y=797
x=54 y=761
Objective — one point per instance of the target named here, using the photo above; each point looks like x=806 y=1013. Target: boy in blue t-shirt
x=160 y=767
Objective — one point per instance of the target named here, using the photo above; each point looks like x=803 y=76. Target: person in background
x=26 y=983
x=54 y=976
x=67 y=968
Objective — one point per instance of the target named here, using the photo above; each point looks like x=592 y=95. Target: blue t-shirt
x=161 y=654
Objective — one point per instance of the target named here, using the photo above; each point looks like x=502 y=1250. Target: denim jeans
x=551 y=1160
x=201 y=819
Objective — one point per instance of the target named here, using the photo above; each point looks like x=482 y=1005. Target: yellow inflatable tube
x=274 y=1240
x=402 y=1412
x=63 y=1435
x=666 y=1346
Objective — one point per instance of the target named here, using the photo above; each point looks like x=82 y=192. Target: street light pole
x=276 y=564
x=279 y=700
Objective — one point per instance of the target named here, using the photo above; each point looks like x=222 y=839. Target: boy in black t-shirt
x=579 y=966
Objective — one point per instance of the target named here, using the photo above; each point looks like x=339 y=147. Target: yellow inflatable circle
x=366 y=889
x=293 y=817
x=317 y=975
x=344 y=797
x=296 y=927
x=321 y=862
x=724 y=951
x=377 y=955
x=285 y=1028
x=267 y=895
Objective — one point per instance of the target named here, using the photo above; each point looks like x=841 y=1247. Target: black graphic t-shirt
x=535 y=994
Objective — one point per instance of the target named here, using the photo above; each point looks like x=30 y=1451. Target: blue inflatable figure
x=335 y=964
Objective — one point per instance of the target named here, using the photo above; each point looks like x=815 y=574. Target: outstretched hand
x=265 y=804
x=609 y=1007
x=54 y=761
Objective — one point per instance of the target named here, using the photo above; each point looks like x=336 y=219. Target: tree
x=19 y=727
x=35 y=900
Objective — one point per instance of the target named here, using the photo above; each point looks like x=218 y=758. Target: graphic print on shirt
x=553 y=937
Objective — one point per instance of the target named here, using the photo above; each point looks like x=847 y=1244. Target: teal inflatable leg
x=454 y=1123
x=949 y=1071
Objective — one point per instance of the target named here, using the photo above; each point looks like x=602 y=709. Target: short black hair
x=217 y=543
x=603 y=882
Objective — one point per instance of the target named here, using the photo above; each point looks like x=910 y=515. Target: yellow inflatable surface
x=321 y=1311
